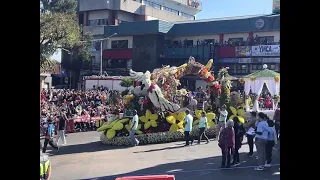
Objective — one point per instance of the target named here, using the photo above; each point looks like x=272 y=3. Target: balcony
x=201 y=53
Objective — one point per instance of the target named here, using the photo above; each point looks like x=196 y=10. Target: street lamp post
x=101 y=40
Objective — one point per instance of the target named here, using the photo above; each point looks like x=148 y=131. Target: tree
x=126 y=82
x=59 y=28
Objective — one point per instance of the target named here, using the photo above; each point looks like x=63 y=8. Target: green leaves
x=126 y=82
x=59 y=28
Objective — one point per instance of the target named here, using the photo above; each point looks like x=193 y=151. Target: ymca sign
x=265 y=50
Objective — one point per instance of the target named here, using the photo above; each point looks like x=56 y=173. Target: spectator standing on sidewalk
x=227 y=143
x=271 y=141
x=250 y=136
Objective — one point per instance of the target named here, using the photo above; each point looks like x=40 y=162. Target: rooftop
x=239 y=24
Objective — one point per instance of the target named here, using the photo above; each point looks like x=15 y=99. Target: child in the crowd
x=271 y=141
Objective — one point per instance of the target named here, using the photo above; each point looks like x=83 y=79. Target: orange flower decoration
x=277 y=78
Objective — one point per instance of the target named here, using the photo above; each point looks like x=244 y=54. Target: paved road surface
x=86 y=158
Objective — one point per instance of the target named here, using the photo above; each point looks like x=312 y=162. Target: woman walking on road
x=203 y=124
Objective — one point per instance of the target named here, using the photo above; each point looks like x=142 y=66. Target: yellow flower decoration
x=129 y=98
x=252 y=78
x=173 y=118
x=237 y=113
x=149 y=119
x=128 y=127
x=241 y=80
x=228 y=91
x=277 y=78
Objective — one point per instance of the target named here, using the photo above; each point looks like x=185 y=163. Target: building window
x=120 y=44
x=152 y=4
x=187 y=15
x=121 y=21
x=188 y=43
x=93 y=60
x=171 y=10
x=235 y=41
x=115 y=63
x=266 y=39
x=98 y=22
x=241 y=69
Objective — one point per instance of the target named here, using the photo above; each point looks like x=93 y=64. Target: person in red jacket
x=227 y=143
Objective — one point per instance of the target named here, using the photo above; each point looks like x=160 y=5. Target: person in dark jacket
x=49 y=137
x=238 y=133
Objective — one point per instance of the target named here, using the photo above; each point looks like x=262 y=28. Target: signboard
x=276 y=6
x=265 y=50
x=194 y=3
x=234 y=60
x=243 y=51
x=259 y=23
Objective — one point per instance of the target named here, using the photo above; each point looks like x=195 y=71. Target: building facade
x=101 y=17
x=243 y=44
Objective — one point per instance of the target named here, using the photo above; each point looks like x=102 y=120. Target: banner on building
x=265 y=50
x=276 y=6
x=243 y=51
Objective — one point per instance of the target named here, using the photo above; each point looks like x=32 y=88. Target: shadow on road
x=161 y=149
x=207 y=169
x=85 y=148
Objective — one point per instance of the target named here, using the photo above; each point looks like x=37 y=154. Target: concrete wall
x=95 y=30
x=100 y=14
x=125 y=16
x=89 y=5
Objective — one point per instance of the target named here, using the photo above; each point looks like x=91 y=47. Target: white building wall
x=275 y=34
x=102 y=14
x=149 y=18
x=195 y=38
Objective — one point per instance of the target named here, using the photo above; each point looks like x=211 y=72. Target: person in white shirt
x=222 y=119
x=188 y=128
x=135 y=122
x=271 y=141
x=261 y=140
x=203 y=124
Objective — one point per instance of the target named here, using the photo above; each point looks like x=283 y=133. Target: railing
x=204 y=44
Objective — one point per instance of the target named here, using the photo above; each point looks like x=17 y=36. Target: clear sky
x=224 y=8
x=229 y=8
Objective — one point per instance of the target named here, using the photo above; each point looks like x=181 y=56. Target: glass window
x=120 y=44
x=273 y=67
x=98 y=22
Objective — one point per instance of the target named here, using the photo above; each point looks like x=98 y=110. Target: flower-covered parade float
x=160 y=118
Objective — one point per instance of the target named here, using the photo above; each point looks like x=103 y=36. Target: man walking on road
x=135 y=122
x=49 y=137
x=62 y=123
x=188 y=128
